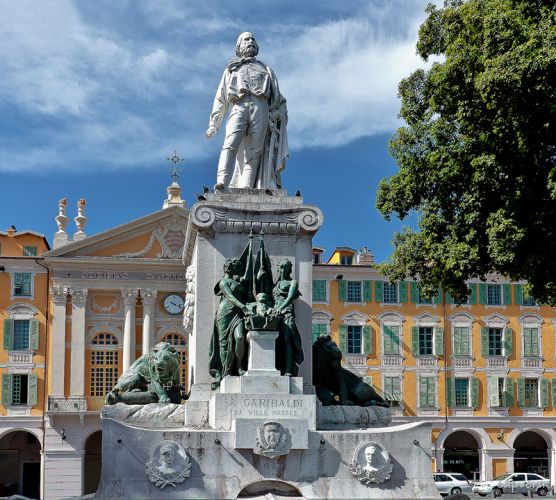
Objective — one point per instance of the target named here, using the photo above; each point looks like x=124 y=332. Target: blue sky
x=95 y=95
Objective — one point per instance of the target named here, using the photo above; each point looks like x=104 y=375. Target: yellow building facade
x=483 y=372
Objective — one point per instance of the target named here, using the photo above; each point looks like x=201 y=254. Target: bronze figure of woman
x=289 y=352
x=228 y=345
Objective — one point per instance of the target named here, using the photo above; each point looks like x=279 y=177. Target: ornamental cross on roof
x=175 y=171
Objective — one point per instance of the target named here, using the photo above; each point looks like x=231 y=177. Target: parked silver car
x=513 y=483
x=451 y=483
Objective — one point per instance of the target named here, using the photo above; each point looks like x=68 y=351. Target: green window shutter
x=553 y=385
x=32 y=389
x=367 y=339
x=521 y=392
x=544 y=392
x=315 y=332
x=457 y=341
x=449 y=298
x=388 y=340
x=493 y=399
x=475 y=392
x=535 y=342
x=343 y=330
x=378 y=291
x=473 y=295
x=8 y=334
x=34 y=335
x=414 y=292
x=431 y=402
x=508 y=392
x=484 y=342
x=518 y=294
x=403 y=291
x=396 y=387
x=415 y=340
x=527 y=342
x=465 y=344
x=451 y=392
x=438 y=341
x=342 y=290
x=437 y=299
x=423 y=392
x=6 y=389
x=508 y=342
x=507 y=294
x=483 y=297
x=367 y=297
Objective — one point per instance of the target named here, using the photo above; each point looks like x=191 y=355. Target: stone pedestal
x=262 y=353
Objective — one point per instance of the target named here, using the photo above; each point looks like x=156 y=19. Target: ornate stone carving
x=129 y=296
x=371 y=463
x=96 y=307
x=78 y=296
x=189 y=308
x=169 y=464
x=171 y=238
x=58 y=294
x=148 y=295
x=273 y=440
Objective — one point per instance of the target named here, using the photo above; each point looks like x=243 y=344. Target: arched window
x=104 y=360
x=178 y=341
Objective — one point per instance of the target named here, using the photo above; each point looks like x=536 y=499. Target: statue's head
x=231 y=266
x=246 y=45
x=285 y=267
x=272 y=433
x=370 y=453
x=167 y=453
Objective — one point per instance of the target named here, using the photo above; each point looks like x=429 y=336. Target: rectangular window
x=354 y=339
x=353 y=291
x=391 y=388
x=531 y=394
x=346 y=260
x=390 y=293
x=461 y=341
x=29 y=251
x=104 y=372
x=424 y=300
x=391 y=337
x=21 y=335
x=22 y=284
x=316 y=258
x=319 y=290
x=495 y=341
x=501 y=393
x=462 y=392
x=19 y=390
x=494 y=295
x=427 y=392
x=425 y=340
x=318 y=330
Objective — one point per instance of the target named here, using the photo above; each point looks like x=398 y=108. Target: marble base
x=219 y=469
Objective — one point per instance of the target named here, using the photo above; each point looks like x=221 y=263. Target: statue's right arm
x=219 y=106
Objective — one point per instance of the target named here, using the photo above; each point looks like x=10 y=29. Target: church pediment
x=156 y=236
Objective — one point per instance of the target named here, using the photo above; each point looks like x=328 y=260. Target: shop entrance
x=531 y=454
x=461 y=454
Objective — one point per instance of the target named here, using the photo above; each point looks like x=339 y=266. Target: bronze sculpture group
x=251 y=300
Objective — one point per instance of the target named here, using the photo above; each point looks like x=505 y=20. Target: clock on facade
x=173 y=304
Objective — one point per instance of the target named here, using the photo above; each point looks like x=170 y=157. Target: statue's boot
x=226 y=165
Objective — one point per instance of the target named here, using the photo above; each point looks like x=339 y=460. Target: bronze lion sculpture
x=334 y=384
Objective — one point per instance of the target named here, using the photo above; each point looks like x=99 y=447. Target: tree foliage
x=477 y=153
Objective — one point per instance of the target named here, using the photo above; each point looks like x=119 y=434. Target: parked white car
x=513 y=483
x=451 y=483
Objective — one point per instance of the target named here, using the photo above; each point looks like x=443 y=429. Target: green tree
x=477 y=153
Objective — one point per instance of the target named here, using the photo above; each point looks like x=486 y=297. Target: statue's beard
x=249 y=51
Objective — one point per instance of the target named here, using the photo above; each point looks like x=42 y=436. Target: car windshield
x=502 y=477
x=460 y=477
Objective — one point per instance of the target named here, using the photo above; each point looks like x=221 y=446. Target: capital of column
x=58 y=293
x=129 y=296
x=148 y=295
x=78 y=296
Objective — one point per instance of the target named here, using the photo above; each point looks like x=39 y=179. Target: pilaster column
x=439 y=459
x=552 y=466
x=58 y=295
x=485 y=465
x=77 y=381
x=129 y=296
x=149 y=300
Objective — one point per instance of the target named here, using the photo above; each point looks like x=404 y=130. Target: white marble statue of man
x=255 y=148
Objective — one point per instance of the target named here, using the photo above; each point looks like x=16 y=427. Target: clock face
x=173 y=304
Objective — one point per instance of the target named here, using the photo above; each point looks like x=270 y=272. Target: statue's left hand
x=211 y=132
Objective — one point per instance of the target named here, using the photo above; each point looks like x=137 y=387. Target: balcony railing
x=392 y=360
x=531 y=363
x=429 y=362
x=71 y=404
x=497 y=362
x=20 y=358
x=458 y=362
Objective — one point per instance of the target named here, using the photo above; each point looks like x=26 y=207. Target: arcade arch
x=22 y=468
